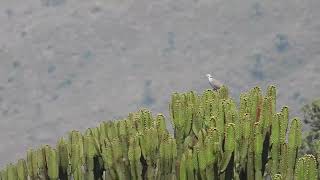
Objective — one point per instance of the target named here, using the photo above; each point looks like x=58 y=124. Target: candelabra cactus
x=306 y=168
x=213 y=138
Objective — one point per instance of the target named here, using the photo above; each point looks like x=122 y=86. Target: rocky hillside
x=68 y=64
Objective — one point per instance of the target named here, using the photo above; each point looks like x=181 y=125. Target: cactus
x=12 y=173
x=134 y=155
x=306 y=168
x=63 y=158
x=213 y=139
x=22 y=170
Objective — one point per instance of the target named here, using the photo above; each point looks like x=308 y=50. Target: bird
x=215 y=84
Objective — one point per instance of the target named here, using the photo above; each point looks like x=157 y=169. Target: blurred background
x=69 y=64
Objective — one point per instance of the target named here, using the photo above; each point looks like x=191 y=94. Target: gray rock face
x=69 y=64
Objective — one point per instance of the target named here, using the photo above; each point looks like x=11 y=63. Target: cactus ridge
x=213 y=138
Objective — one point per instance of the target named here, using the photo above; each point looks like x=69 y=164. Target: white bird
x=215 y=84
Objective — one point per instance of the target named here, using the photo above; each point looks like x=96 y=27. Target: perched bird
x=215 y=84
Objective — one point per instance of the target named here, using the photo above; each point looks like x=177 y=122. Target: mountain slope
x=67 y=64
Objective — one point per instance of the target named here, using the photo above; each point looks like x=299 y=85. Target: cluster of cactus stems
x=214 y=139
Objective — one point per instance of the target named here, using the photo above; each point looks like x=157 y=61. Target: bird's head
x=208 y=75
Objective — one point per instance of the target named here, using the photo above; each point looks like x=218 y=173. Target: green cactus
x=63 y=158
x=258 y=148
x=134 y=155
x=229 y=146
x=75 y=160
x=277 y=177
x=32 y=164
x=52 y=162
x=12 y=173
x=294 y=143
x=3 y=174
x=306 y=168
x=22 y=169
x=213 y=139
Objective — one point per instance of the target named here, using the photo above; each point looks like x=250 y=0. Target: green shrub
x=213 y=139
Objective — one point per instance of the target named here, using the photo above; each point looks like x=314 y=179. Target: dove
x=215 y=84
